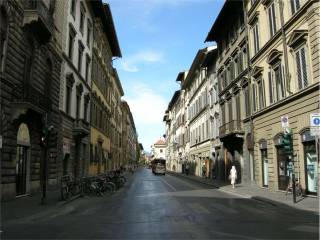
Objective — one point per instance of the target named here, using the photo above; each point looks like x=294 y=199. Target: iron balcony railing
x=234 y=126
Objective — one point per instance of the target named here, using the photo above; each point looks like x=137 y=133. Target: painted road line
x=234 y=193
x=168 y=184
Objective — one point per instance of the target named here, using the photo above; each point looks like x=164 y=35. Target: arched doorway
x=22 y=160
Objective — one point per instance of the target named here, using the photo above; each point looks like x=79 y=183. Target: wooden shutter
x=271 y=94
x=304 y=66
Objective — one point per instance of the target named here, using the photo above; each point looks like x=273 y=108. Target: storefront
x=310 y=162
x=264 y=162
x=282 y=163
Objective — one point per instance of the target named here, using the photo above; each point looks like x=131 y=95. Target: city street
x=166 y=207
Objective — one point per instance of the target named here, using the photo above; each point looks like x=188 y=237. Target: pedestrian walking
x=187 y=169
x=233 y=175
x=204 y=170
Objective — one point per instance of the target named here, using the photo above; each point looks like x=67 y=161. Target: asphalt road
x=167 y=207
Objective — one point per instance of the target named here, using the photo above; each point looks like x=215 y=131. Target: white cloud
x=130 y=63
x=146 y=105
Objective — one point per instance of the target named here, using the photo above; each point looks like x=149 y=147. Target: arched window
x=3 y=37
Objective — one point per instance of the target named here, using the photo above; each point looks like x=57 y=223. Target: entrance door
x=311 y=166
x=21 y=170
x=283 y=174
x=265 y=167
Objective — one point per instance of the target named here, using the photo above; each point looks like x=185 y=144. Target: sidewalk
x=257 y=193
x=30 y=207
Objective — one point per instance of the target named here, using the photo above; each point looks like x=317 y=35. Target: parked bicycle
x=69 y=187
x=298 y=188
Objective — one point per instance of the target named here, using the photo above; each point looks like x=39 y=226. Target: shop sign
x=315 y=124
x=285 y=121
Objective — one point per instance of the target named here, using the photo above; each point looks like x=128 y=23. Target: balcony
x=233 y=127
x=81 y=128
x=25 y=97
x=39 y=19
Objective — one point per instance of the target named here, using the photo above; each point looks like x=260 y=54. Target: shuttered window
x=271 y=87
x=301 y=67
x=272 y=19
x=223 y=116
x=238 y=107
x=295 y=6
x=279 y=81
x=262 y=102
x=255 y=30
x=247 y=100
x=254 y=98
x=230 y=110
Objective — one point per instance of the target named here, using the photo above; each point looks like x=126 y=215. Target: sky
x=158 y=39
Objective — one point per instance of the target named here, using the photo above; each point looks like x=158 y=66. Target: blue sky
x=158 y=39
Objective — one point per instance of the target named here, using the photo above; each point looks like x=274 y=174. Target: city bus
x=159 y=166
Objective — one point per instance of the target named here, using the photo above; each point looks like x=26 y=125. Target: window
x=88 y=60
x=295 y=6
x=73 y=8
x=72 y=34
x=279 y=81
x=85 y=109
x=262 y=101
x=254 y=98
x=238 y=107
x=230 y=110
x=271 y=88
x=78 y=102
x=3 y=37
x=89 y=29
x=247 y=100
x=161 y=150
x=68 y=99
x=80 y=54
x=272 y=19
x=255 y=30
x=82 y=15
x=301 y=67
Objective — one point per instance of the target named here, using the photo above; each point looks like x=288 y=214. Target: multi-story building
x=235 y=132
x=75 y=84
x=172 y=119
x=29 y=103
x=284 y=63
x=116 y=120
x=197 y=86
x=105 y=47
x=129 y=136
x=209 y=63
x=159 y=149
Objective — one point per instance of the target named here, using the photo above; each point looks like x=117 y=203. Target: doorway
x=283 y=173
x=311 y=167
x=21 y=170
x=265 y=167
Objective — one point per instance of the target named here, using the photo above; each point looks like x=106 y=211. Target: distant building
x=159 y=149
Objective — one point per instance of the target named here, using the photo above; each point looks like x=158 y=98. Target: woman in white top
x=233 y=175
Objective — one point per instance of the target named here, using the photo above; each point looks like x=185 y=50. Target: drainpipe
x=285 y=52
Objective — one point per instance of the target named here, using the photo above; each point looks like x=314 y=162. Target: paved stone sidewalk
x=30 y=207
x=260 y=194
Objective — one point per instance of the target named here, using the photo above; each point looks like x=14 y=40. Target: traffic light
x=44 y=137
x=287 y=143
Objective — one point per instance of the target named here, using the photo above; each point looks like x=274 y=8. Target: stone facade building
x=229 y=32
x=105 y=46
x=284 y=63
x=29 y=101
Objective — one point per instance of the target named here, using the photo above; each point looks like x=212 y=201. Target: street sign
x=315 y=124
x=284 y=121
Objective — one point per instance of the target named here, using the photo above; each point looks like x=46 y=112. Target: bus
x=159 y=166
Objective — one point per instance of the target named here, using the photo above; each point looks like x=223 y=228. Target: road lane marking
x=168 y=184
x=198 y=208
x=233 y=193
